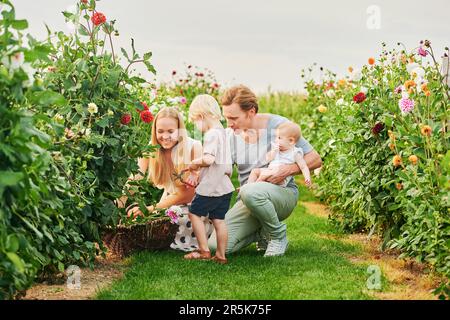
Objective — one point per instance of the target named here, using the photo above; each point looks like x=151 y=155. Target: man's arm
x=312 y=159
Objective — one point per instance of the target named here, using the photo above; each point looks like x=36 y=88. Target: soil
x=408 y=279
x=106 y=270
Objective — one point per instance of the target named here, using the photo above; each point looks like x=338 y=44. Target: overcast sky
x=259 y=43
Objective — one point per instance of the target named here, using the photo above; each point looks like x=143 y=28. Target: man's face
x=238 y=119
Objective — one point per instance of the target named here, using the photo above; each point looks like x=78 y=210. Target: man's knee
x=251 y=193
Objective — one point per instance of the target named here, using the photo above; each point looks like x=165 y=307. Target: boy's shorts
x=214 y=207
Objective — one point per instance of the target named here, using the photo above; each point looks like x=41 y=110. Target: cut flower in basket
x=174 y=212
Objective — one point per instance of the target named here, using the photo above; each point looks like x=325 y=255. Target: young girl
x=283 y=152
x=176 y=151
x=214 y=191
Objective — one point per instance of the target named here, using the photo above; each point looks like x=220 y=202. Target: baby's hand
x=275 y=146
x=308 y=183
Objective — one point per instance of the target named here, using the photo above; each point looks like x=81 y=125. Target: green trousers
x=260 y=211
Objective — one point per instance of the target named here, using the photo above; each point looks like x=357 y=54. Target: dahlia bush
x=384 y=138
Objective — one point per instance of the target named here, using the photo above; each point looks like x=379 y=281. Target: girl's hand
x=134 y=212
x=192 y=180
x=191 y=167
x=120 y=203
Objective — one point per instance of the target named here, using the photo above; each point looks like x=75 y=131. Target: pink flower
x=172 y=215
x=421 y=51
x=183 y=100
x=406 y=105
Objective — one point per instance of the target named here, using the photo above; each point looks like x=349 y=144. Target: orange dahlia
x=397 y=160
x=413 y=159
x=426 y=130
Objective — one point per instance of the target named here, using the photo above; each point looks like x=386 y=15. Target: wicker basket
x=157 y=234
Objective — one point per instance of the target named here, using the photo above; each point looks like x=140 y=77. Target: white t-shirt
x=285 y=157
x=215 y=180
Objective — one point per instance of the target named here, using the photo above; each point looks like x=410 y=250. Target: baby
x=283 y=152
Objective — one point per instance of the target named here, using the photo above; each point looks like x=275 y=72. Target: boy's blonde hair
x=291 y=129
x=206 y=106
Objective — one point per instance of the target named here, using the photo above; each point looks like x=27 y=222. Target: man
x=261 y=206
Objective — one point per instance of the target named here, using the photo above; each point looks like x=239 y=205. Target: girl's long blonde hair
x=159 y=171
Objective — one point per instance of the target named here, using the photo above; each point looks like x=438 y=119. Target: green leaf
x=150 y=67
x=147 y=56
x=16 y=260
x=445 y=163
x=12 y=243
x=10 y=178
x=68 y=15
x=103 y=123
x=49 y=98
x=60 y=266
x=82 y=31
x=39 y=52
x=125 y=54
x=19 y=24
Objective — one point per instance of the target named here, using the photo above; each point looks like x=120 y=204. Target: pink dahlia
x=421 y=51
x=406 y=105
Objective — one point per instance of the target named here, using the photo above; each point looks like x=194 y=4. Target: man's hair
x=241 y=95
x=291 y=129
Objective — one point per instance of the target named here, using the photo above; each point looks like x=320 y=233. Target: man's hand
x=280 y=173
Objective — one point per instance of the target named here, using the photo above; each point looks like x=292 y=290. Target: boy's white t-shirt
x=215 y=180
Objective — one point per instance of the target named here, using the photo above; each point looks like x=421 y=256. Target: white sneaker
x=277 y=247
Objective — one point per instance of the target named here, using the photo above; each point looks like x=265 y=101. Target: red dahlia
x=125 y=119
x=377 y=128
x=146 y=116
x=98 y=18
x=144 y=105
x=360 y=97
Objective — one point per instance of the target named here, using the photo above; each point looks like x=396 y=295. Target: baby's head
x=204 y=110
x=287 y=135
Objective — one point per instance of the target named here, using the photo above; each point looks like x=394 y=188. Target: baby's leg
x=264 y=174
x=254 y=175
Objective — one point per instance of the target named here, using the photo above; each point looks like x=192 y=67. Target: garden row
x=74 y=119
x=383 y=133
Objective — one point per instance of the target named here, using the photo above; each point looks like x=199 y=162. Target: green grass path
x=314 y=267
